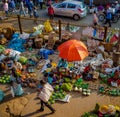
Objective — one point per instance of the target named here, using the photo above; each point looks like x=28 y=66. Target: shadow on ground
x=33 y=113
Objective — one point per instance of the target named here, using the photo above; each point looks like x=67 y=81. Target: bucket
x=116 y=58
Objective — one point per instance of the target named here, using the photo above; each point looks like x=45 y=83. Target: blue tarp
x=16 y=43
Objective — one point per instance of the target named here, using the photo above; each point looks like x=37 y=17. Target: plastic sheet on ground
x=66 y=99
x=17 y=43
x=24 y=35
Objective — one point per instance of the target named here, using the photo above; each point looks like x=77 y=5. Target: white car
x=74 y=9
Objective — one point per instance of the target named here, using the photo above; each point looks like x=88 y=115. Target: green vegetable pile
x=115 y=92
x=56 y=96
x=67 y=86
x=79 y=84
x=23 y=60
x=5 y=79
x=1 y=48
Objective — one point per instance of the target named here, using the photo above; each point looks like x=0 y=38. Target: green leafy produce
x=56 y=96
x=67 y=86
x=5 y=79
x=67 y=80
x=57 y=87
x=23 y=60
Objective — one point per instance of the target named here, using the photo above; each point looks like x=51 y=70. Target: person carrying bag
x=44 y=95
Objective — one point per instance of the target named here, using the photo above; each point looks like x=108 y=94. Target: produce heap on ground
x=103 y=111
x=27 y=52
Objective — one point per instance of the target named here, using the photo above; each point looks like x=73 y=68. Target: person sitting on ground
x=62 y=63
x=49 y=65
x=17 y=65
x=45 y=77
x=10 y=63
x=3 y=67
x=50 y=78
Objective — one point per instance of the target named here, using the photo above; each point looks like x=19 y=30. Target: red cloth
x=50 y=11
x=87 y=69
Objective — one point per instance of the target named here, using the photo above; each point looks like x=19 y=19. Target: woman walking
x=51 y=12
x=5 y=7
x=22 y=9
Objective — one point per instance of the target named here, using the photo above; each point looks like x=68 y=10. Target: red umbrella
x=73 y=50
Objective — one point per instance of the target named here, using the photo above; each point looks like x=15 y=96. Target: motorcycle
x=115 y=17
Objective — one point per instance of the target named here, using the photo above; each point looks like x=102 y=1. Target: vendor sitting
x=50 y=78
x=17 y=65
x=10 y=63
x=62 y=63
x=3 y=67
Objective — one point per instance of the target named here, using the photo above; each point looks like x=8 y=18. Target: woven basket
x=108 y=46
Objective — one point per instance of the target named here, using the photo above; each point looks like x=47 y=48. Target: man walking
x=108 y=16
x=44 y=94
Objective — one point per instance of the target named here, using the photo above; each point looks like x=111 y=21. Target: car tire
x=115 y=19
x=101 y=17
x=76 y=17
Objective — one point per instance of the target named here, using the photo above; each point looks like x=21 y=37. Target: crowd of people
x=25 y=7
x=30 y=7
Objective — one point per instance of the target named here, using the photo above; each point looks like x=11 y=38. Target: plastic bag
x=46 y=92
x=114 y=39
x=47 y=26
x=24 y=35
x=101 y=48
x=88 y=31
x=1 y=95
x=14 y=53
x=12 y=92
x=39 y=27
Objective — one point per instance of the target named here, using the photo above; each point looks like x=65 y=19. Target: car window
x=62 y=5
x=80 y=6
x=71 y=5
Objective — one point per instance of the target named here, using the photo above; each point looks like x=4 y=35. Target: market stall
x=33 y=51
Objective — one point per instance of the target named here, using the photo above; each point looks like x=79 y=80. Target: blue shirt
x=109 y=15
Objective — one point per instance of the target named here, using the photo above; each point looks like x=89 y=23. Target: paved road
x=27 y=24
x=84 y=21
